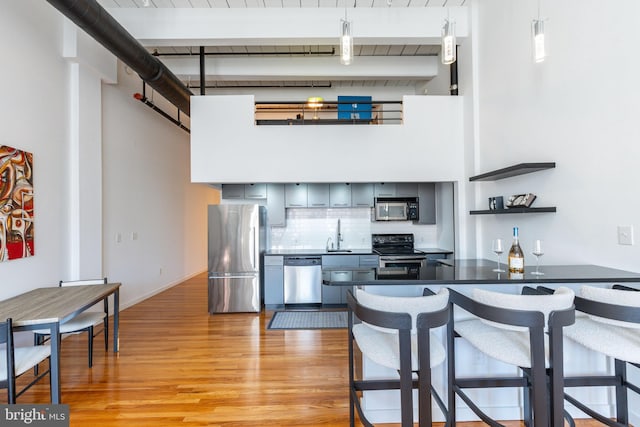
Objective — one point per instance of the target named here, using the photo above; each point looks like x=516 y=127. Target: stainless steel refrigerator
x=236 y=241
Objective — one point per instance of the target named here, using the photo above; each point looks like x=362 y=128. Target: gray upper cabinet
x=233 y=191
x=318 y=195
x=406 y=189
x=362 y=195
x=385 y=189
x=255 y=191
x=427 y=203
x=295 y=195
x=340 y=195
x=276 y=215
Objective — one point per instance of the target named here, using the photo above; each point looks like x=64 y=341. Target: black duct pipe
x=95 y=21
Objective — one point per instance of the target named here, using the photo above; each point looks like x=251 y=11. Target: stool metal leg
x=622 y=408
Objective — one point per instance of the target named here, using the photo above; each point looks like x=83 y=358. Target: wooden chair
x=15 y=361
x=523 y=331
x=610 y=325
x=395 y=332
x=83 y=322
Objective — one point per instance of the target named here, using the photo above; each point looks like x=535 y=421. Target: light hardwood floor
x=180 y=366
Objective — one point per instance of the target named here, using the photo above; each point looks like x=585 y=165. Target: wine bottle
x=516 y=256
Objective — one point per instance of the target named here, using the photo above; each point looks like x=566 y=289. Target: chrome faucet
x=339 y=237
x=329 y=240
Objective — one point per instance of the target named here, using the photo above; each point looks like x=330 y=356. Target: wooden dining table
x=49 y=307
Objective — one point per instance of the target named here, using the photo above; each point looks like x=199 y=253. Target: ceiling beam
x=288 y=26
x=305 y=68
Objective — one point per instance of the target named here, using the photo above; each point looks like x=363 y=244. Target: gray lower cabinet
x=369 y=260
x=338 y=294
x=335 y=294
x=273 y=280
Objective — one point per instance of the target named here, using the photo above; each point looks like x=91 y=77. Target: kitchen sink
x=339 y=250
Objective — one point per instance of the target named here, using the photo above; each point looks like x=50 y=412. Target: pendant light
x=346 y=38
x=538 y=40
x=448 y=54
x=346 y=42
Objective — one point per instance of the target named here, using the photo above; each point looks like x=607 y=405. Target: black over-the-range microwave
x=396 y=209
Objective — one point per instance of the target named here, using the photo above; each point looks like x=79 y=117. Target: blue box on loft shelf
x=354 y=107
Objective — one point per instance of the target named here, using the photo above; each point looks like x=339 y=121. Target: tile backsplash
x=310 y=228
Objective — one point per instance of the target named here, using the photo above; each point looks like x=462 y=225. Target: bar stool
x=520 y=330
x=395 y=332
x=611 y=327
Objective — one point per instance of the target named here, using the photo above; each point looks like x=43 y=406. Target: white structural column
x=89 y=65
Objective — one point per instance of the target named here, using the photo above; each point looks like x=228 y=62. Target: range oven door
x=405 y=261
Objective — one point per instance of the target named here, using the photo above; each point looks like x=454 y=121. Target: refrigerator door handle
x=253 y=248
x=231 y=276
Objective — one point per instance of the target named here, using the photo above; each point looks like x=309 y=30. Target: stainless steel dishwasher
x=302 y=280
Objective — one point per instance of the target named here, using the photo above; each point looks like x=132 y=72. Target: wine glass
x=498 y=248
x=537 y=252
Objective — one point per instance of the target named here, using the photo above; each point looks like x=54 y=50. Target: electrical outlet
x=625 y=235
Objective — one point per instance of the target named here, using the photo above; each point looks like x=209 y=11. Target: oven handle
x=402 y=258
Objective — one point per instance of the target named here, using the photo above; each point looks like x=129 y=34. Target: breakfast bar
x=462 y=276
x=480 y=272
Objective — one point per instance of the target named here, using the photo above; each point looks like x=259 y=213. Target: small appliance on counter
x=236 y=240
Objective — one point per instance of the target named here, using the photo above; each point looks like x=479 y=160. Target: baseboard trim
x=169 y=285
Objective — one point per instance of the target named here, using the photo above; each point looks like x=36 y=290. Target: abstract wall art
x=16 y=203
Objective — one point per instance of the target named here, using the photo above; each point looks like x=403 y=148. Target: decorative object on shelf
x=508 y=172
x=448 y=54
x=521 y=200
x=496 y=203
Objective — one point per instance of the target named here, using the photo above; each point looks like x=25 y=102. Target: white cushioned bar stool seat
x=610 y=326
x=395 y=332
x=524 y=331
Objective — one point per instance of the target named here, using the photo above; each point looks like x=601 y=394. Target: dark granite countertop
x=479 y=271
x=355 y=251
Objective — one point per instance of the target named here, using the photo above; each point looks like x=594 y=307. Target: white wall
x=33 y=84
x=578 y=109
x=147 y=191
x=145 y=163
x=228 y=147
